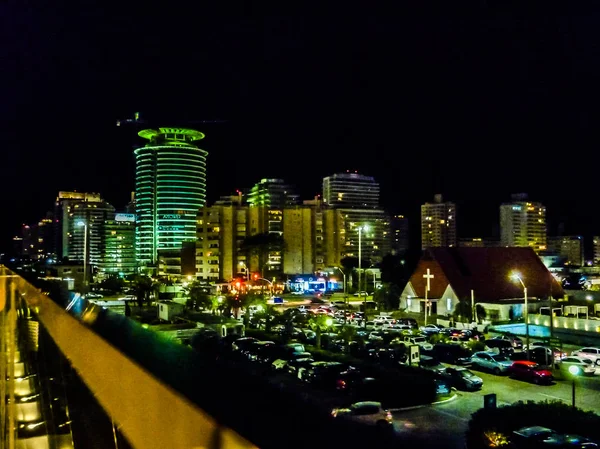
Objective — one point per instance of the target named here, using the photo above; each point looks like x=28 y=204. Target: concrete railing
x=149 y=413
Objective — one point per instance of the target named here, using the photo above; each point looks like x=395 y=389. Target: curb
x=414 y=407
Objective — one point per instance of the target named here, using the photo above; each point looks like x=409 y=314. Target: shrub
x=490 y=427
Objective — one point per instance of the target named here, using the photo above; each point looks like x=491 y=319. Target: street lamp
x=516 y=276
x=85 y=232
x=344 y=275
x=242 y=264
x=574 y=372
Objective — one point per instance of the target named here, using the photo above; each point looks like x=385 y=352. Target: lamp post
x=344 y=275
x=85 y=251
x=271 y=289
x=574 y=371
x=345 y=295
x=517 y=277
x=243 y=264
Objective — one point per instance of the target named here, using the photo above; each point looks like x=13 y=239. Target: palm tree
x=388 y=296
x=199 y=296
x=319 y=323
x=348 y=334
x=143 y=286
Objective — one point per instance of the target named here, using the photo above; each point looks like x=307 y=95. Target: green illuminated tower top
x=171 y=136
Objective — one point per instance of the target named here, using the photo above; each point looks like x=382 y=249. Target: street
x=449 y=421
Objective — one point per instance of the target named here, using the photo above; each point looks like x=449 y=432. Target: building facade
x=86 y=232
x=356 y=197
x=119 y=255
x=569 y=248
x=62 y=215
x=523 y=223
x=438 y=224
x=351 y=191
x=399 y=234
x=170 y=189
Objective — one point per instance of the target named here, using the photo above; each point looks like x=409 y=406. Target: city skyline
x=325 y=96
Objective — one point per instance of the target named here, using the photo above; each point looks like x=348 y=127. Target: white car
x=584 y=365
x=385 y=321
x=589 y=353
x=368 y=412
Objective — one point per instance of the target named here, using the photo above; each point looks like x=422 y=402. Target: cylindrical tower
x=170 y=187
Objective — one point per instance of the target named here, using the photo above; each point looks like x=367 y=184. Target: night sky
x=476 y=100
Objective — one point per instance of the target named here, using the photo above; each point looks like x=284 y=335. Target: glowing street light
x=516 y=276
x=574 y=372
x=243 y=265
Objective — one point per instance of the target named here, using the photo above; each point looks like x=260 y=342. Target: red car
x=530 y=372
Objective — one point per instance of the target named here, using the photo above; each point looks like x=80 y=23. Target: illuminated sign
x=125 y=217
x=171 y=217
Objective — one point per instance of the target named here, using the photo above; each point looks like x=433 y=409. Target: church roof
x=486 y=271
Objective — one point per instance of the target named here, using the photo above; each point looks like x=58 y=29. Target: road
x=449 y=421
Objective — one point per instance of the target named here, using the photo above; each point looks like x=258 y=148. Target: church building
x=494 y=280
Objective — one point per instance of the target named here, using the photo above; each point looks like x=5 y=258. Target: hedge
x=494 y=427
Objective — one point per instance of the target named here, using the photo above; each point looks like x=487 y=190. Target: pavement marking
x=553 y=397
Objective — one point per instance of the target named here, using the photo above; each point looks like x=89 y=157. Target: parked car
x=368 y=412
x=297 y=366
x=542 y=356
x=489 y=360
x=243 y=343
x=589 y=353
x=583 y=365
x=430 y=363
x=418 y=340
x=538 y=437
x=454 y=354
x=530 y=372
x=557 y=353
x=280 y=364
x=431 y=329
x=500 y=345
x=461 y=378
x=515 y=341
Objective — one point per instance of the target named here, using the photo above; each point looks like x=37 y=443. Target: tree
x=480 y=313
x=387 y=296
x=463 y=311
x=143 y=287
x=199 y=296
x=319 y=323
x=112 y=284
x=348 y=334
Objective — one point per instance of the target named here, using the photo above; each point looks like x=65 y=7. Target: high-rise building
x=438 y=223
x=356 y=197
x=170 y=189
x=351 y=191
x=314 y=238
x=569 y=248
x=267 y=200
x=272 y=193
x=399 y=231
x=596 y=250
x=374 y=239
x=62 y=213
x=37 y=240
x=86 y=231
x=523 y=223
x=119 y=257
